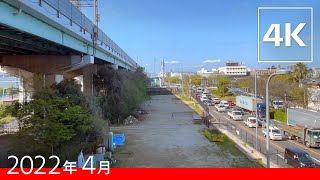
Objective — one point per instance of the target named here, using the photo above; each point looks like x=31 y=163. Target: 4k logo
x=277 y=39
x=285 y=34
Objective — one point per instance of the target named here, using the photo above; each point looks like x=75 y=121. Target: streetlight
x=279 y=72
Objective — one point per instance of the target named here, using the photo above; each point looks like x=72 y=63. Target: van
x=298 y=158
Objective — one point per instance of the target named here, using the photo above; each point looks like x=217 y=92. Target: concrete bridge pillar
x=88 y=73
x=115 y=66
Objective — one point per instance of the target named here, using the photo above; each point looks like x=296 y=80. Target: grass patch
x=230 y=98
x=279 y=115
x=198 y=122
x=190 y=102
x=6 y=119
x=214 y=135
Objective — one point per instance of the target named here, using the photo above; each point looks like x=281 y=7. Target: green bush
x=216 y=93
x=278 y=114
x=8 y=110
x=213 y=135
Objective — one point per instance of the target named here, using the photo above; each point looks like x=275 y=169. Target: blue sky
x=188 y=33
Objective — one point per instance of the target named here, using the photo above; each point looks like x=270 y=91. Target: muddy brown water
x=168 y=138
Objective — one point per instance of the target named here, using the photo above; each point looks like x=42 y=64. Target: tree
x=186 y=85
x=173 y=79
x=223 y=82
x=55 y=117
x=300 y=72
x=196 y=79
x=119 y=92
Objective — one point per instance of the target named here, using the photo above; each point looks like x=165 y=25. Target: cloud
x=172 y=62
x=212 y=61
x=148 y=65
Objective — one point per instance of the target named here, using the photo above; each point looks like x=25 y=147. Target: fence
x=276 y=155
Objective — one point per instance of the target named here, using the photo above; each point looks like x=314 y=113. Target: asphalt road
x=277 y=147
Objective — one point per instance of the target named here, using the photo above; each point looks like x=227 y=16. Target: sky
x=190 y=35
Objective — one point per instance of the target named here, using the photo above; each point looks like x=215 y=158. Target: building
x=234 y=69
x=312 y=92
x=315 y=72
x=206 y=73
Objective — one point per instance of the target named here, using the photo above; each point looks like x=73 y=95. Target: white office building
x=233 y=69
x=206 y=73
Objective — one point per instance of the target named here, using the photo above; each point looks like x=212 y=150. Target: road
x=277 y=147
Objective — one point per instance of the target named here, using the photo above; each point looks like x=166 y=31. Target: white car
x=220 y=107
x=225 y=103
x=216 y=100
x=250 y=122
x=274 y=133
x=235 y=115
x=203 y=98
x=206 y=91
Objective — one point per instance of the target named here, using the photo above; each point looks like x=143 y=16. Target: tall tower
x=162 y=73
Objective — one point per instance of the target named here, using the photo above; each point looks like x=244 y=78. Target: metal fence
x=67 y=9
x=276 y=155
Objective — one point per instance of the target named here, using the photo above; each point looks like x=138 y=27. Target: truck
x=247 y=102
x=278 y=104
x=235 y=115
x=261 y=110
x=303 y=126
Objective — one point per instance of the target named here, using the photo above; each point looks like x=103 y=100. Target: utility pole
x=96 y=14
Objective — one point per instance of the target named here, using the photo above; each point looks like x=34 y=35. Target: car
x=203 y=98
x=225 y=103
x=250 y=122
x=298 y=158
x=238 y=109
x=274 y=133
x=262 y=122
x=235 y=115
x=220 y=107
x=209 y=103
x=216 y=100
x=230 y=103
x=205 y=93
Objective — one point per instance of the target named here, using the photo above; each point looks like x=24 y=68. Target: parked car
x=274 y=133
x=250 y=122
x=298 y=158
x=220 y=107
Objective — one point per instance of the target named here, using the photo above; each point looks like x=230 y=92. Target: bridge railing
x=66 y=8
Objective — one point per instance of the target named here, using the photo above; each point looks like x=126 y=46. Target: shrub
x=278 y=114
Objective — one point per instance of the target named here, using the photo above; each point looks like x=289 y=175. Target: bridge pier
x=87 y=78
